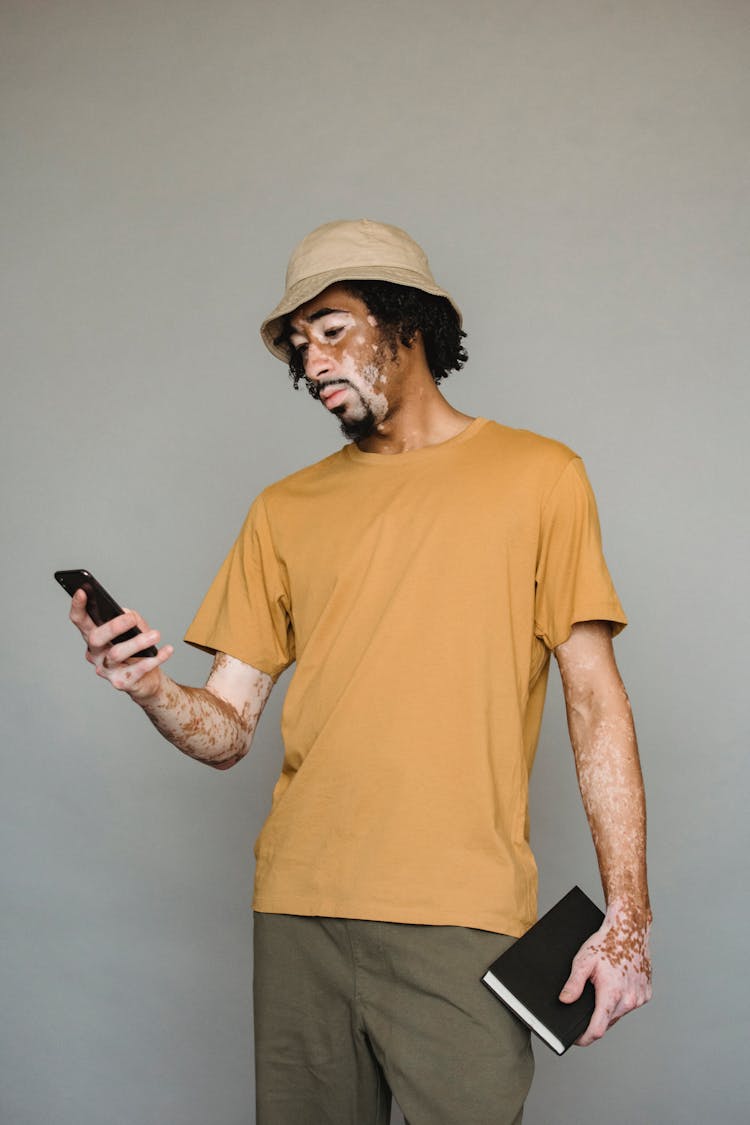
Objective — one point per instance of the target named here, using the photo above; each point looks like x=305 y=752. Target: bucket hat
x=349 y=250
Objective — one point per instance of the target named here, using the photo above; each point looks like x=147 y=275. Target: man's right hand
x=213 y=724
x=140 y=677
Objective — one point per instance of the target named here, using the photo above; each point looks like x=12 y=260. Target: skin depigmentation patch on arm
x=213 y=724
x=604 y=743
x=625 y=944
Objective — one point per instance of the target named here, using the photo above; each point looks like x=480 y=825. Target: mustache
x=314 y=389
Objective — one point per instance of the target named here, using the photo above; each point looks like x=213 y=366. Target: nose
x=317 y=361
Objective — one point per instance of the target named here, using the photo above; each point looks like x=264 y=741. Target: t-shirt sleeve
x=572 y=580
x=246 y=612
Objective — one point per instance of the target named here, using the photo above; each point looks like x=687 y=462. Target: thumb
x=573 y=986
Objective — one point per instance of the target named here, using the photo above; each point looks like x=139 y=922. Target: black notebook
x=529 y=976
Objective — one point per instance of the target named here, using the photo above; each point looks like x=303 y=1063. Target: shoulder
x=528 y=443
x=302 y=484
x=527 y=453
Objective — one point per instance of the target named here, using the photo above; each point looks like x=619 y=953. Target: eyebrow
x=317 y=316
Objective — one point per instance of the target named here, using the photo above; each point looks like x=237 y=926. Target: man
x=420 y=578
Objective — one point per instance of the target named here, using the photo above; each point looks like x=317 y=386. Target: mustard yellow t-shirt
x=420 y=595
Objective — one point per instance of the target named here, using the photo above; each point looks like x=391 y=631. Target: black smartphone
x=100 y=605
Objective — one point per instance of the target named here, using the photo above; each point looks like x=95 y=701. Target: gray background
x=578 y=173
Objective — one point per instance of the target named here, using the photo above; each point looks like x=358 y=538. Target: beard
x=357 y=429
x=369 y=414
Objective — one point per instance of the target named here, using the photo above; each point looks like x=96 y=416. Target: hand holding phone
x=100 y=605
x=112 y=645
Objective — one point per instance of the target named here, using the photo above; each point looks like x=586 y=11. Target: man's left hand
x=616 y=959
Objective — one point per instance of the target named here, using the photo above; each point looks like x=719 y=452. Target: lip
x=332 y=397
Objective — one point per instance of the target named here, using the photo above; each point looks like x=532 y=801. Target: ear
x=411 y=337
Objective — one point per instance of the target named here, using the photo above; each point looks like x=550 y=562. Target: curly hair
x=401 y=312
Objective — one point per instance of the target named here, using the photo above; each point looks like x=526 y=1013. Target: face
x=348 y=364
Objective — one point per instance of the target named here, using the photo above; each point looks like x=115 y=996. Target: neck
x=419 y=416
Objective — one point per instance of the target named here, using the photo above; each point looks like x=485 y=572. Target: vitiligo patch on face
x=348 y=362
x=363 y=378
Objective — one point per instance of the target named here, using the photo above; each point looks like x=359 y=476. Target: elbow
x=225 y=765
x=235 y=749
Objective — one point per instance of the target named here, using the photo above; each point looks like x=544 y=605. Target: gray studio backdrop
x=578 y=172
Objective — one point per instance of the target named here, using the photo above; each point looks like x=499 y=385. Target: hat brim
x=310 y=287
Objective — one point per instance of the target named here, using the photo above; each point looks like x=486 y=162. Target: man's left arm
x=616 y=957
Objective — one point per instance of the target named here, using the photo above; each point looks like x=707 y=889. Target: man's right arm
x=213 y=724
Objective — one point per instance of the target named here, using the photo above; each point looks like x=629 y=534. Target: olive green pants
x=348 y=1012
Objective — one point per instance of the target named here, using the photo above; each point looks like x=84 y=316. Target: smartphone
x=100 y=605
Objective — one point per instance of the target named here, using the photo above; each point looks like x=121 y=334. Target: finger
x=628 y=1002
x=142 y=624
x=126 y=650
x=127 y=676
x=598 y=1023
x=78 y=614
x=611 y=1007
x=101 y=636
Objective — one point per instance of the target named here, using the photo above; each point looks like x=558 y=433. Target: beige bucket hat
x=349 y=250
